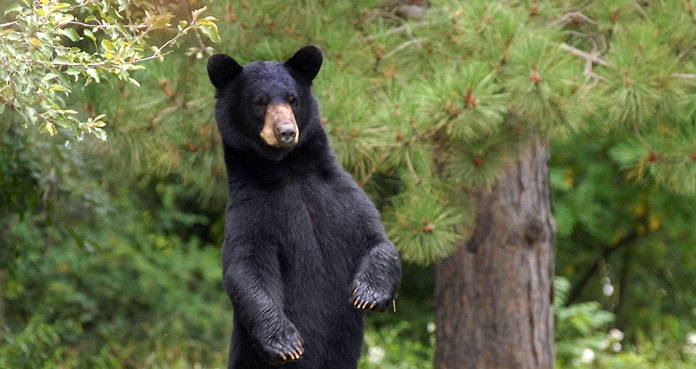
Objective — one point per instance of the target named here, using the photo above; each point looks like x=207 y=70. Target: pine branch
x=595 y=59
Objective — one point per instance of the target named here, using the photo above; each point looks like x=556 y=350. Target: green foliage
x=474 y=99
x=36 y=346
x=394 y=348
x=418 y=214
x=579 y=327
x=17 y=172
x=626 y=245
x=48 y=46
x=115 y=305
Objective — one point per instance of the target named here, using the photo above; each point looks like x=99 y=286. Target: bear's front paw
x=284 y=346
x=372 y=297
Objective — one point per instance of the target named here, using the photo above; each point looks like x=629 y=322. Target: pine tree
x=471 y=139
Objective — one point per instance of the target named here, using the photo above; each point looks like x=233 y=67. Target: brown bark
x=494 y=294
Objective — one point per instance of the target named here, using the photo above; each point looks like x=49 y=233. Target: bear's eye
x=292 y=99
x=261 y=103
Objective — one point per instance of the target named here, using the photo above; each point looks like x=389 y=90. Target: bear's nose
x=286 y=134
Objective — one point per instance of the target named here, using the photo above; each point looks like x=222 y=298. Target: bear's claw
x=366 y=297
x=284 y=347
x=293 y=355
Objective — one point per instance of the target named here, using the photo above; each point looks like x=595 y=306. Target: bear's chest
x=321 y=210
x=321 y=238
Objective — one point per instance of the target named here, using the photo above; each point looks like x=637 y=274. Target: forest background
x=113 y=196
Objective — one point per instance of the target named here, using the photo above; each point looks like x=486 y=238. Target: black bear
x=305 y=254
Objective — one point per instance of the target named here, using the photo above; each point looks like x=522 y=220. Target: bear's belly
x=320 y=253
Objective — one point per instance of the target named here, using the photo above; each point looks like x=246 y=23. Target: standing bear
x=305 y=254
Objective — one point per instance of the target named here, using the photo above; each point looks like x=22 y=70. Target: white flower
x=616 y=347
x=603 y=344
x=431 y=327
x=691 y=339
x=608 y=290
x=616 y=335
x=691 y=350
x=587 y=356
x=375 y=355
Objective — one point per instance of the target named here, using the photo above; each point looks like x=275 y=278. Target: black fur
x=305 y=252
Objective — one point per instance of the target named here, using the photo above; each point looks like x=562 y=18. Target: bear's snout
x=286 y=134
x=280 y=127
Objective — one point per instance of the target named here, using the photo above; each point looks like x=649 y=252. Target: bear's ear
x=307 y=61
x=222 y=69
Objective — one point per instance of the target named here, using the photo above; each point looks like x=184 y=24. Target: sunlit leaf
x=69 y=33
x=209 y=28
x=14 y=8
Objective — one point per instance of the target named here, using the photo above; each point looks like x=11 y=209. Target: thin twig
x=593 y=57
x=594 y=38
x=641 y=11
x=368 y=176
x=401 y=47
x=102 y=26
x=83 y=4
x=569 y=17
x=96 y=65
x=686 y=51
x=386 y=15
x=190 y=18
x=406 y=27
x=410 y=167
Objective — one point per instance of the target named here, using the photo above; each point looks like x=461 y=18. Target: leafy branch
x=45 y=50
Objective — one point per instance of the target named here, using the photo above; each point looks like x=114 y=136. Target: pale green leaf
x=61 y=60
x=70 y=33
x=92 y=73
x=13 y=36
x=14 y=8
x=100 y=133
x=89 y=34
x=49 y=76
x=107 y=45
x=60 y=6
x=209 y=28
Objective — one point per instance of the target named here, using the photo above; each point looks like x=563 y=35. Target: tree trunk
x=494 y=294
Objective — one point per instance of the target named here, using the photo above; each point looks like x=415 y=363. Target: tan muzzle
x=280 y=128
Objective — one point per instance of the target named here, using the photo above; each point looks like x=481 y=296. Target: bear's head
x=266 y=106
